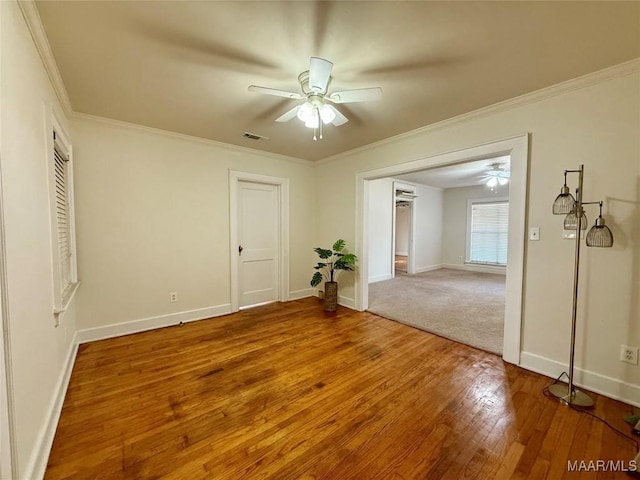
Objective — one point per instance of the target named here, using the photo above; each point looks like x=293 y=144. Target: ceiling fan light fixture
x=305 y=112
x=327 y=114
x=313 y=121
x=492 y=182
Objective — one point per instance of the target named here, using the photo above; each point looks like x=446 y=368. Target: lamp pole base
x=577 y=398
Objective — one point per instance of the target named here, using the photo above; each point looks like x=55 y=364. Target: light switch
x=534 y=233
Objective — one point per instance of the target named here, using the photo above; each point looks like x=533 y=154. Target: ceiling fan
x=317 y=109
x=497 y=175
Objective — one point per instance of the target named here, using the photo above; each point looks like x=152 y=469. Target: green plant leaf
x=339 y=245
x=349 y=258
x=316 y=279
x=342 y=265
x=323 y=253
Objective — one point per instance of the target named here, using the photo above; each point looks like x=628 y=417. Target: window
x=63 y=231
x=488 y=232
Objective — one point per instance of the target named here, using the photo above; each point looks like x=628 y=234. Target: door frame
x=518 y=148
x=282 y=184
x=8 y=454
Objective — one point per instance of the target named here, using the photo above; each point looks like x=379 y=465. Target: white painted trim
x=607 y=386
x=151 y=323
x=347 y=302
x=188 y=138
x=304 y=293
x=37 y=463
x=381 y=278
x=402 y=254
x=609 y=73
x=430 y=268
x=477 y=268
x=518 y=148
x=283 y=197
x=34 y=24
x=53 y=123
x=8 y=448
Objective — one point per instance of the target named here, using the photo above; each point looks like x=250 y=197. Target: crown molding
x=34 y=23
x=600 y=76
x=188 y=138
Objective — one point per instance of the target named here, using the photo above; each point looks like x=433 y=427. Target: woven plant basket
x=330 y=296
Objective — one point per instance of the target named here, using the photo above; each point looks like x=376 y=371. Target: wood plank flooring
x=283 y=392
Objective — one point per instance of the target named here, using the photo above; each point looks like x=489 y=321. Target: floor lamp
x=598 y=236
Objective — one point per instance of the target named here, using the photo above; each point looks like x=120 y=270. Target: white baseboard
x=476 y=268
x=347 y=302
x=403 y=254
x=380 y=278
x=37 y=464
x=304 y=293
x=135 y=326
x=595 y=382
x=429 y=268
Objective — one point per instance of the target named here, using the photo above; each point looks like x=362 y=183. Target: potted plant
x=332 y=260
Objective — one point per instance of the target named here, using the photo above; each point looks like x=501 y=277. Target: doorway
x=517 y=148
x=402 y=233
x=402 y=229
x=259 y=239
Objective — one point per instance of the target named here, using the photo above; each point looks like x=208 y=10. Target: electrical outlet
x=173 y=297
x=629 y=354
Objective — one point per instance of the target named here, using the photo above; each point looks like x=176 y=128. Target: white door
x=258 y=243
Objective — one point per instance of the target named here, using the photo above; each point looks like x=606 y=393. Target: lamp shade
x=599 y=235
x=305 y=112
x=571 y=221
x=327 y=114
x=564 y=202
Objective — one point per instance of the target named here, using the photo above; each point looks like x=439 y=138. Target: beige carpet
x=467 y=307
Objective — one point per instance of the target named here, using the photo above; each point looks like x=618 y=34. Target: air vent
x=254 y=136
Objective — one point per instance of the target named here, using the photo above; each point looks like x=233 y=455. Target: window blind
x=489 y=232
x=63 y=220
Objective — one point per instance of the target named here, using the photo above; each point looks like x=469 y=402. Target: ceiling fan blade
x=273 y=91
x=319 y=73
x=285 y=117
x=360 y=95
x=340 y=118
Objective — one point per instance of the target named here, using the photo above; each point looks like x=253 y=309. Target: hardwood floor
x=283 y=392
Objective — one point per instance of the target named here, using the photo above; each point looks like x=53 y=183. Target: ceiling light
x=305 y=112
x=327 y=114
x=496 y=176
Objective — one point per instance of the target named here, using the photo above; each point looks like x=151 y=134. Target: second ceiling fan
x=317 y=109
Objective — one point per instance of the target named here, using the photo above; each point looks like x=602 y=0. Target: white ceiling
x=466 y=174
x=185 y=66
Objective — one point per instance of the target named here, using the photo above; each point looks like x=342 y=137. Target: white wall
x=152 y=215
x=454 y=231
x=381 y=202
x=403 y=225
x=38 y=350
x=594 y=121
x=428 y=228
